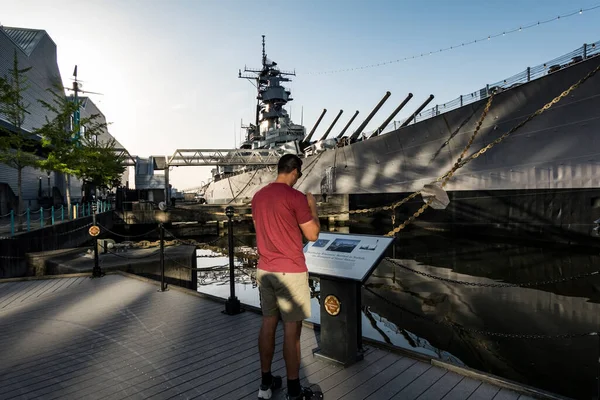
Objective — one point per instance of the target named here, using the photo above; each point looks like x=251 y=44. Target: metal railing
x=529 y=74
x=36 y=218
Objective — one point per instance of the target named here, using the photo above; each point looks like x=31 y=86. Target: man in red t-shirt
x=281 y=215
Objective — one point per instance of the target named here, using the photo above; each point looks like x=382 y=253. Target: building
x=35 y=49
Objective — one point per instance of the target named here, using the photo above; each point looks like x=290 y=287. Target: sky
x=168 y=70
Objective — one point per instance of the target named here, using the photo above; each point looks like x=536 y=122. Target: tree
x=100 y=166
x=17 y=146
x=73 y=148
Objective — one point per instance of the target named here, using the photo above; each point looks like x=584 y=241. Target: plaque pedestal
x=341 y=334
x=343 y=263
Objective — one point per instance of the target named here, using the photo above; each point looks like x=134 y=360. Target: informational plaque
x=345 y=256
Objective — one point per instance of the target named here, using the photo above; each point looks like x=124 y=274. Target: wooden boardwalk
x=117 y=337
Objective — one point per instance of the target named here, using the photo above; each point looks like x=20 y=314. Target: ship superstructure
x=273 y=127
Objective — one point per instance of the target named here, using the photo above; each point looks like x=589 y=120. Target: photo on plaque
x=366 y=246
x=320 y=243
x=343 y=245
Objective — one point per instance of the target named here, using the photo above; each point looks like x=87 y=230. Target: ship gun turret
x=331 y=126
x=369 y=117
x=417 y=111
x=392 y=115
x=306 y=140
x=347 y=125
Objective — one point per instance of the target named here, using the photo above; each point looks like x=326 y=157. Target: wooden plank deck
x=117 y=337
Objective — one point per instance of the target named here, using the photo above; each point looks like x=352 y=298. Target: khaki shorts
x=284 y=293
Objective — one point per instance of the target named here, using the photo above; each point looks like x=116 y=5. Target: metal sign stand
x=343 y=263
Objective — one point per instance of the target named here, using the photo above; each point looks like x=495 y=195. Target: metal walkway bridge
x=211 y=157
x=220 y=157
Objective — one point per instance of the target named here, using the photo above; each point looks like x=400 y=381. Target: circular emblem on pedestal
x=94 y=230
x=332 y=305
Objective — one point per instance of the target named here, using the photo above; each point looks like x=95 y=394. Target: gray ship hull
x=545 y=176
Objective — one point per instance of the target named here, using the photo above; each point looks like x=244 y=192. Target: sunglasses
x=299 y=174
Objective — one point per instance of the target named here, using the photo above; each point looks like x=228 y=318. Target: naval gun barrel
x=331 y=126
x=369 y=117
x=392 y=115
x=347 y=126
x=312 y=131
x=418 y=110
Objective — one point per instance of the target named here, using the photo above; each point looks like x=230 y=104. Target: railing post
x=28 y=221
x=12 y=222
x=161 y=228
x=96 y=271
x=52 y=211
x=41 y=217
x=62 y=212
x=76 y=211
x=528 y=74
x=584 y=51
x=232 y=305
x=461 y=100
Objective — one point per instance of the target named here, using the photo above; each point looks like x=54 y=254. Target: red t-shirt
x=277 y=210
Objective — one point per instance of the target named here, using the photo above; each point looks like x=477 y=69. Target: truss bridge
x=241 y=157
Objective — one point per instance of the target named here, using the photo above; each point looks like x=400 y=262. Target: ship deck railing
x=531 y=73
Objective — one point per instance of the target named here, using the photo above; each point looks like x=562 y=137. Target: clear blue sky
x=168 y=69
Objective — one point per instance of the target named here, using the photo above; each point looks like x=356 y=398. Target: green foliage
x=17 y=147
x=81 y=155
x=100 y=165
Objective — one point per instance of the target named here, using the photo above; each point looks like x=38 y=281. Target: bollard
x=163 y=286
x=76 y=210
x=52 y=211
x=232 y=305
x=12 y=223
x=62 y=212
x=41 y=217
x=28 y=221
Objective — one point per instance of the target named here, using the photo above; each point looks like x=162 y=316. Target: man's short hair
x=288 y=163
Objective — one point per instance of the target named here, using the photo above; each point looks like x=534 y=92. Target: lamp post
x=232 y=305
x=49 y=189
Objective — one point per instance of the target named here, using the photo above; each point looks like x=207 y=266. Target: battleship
x=543 y=179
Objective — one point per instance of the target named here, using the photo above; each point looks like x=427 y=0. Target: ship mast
x=272 y=120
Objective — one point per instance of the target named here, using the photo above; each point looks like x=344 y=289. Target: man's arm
x=311 y=228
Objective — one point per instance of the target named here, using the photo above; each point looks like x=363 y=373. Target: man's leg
x=291 y=348
x=266 y=342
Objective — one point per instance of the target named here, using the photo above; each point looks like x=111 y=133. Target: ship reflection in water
x=420 y=313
